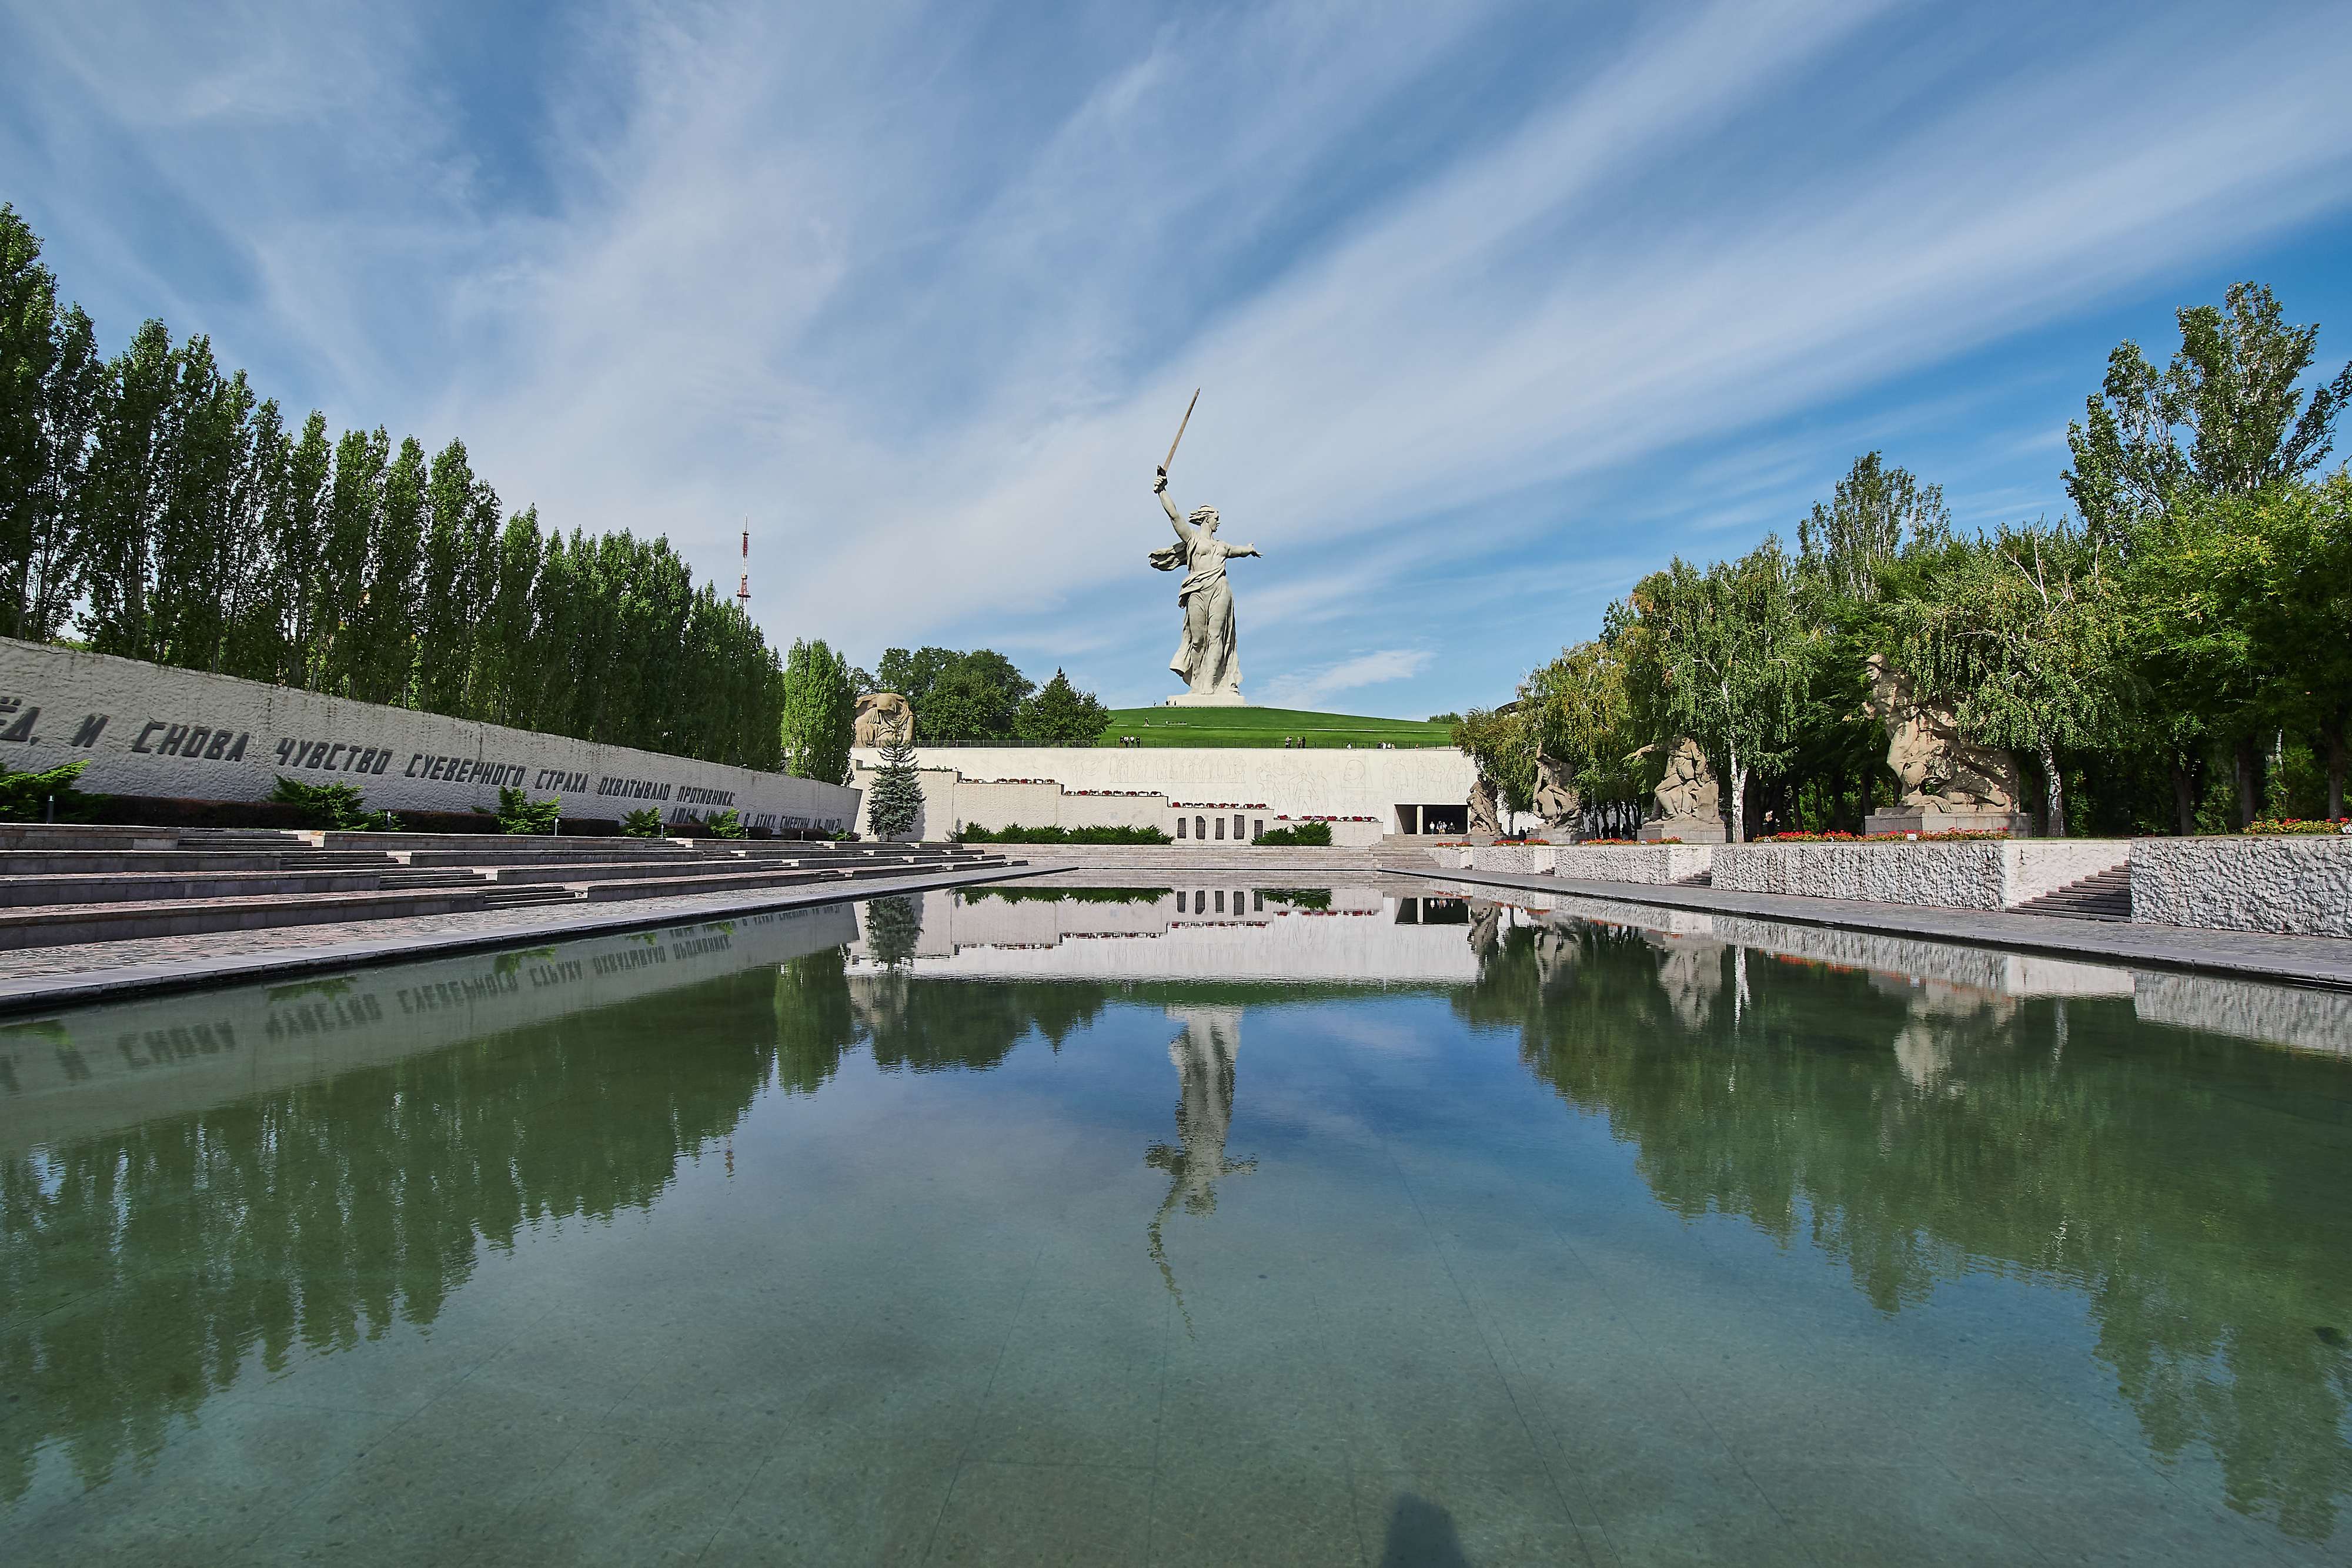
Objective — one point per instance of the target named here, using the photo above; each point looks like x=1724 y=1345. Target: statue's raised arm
x=1175 y=519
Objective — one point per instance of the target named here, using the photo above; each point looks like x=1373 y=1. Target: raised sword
x=1180 y=430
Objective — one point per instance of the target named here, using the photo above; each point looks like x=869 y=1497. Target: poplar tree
x=354 y=508
x=445 y=603
x=127 y=485
x=29 y=356
x=820 y=713
x=297 y=524
x=383 y=628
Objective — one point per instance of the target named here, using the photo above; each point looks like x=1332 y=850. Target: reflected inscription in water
x=320 y=1161
x=194 y=1185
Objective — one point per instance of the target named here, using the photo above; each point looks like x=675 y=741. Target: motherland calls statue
x=1208 y=658
x=1942 y=775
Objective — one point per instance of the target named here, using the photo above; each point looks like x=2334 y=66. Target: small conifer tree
x=894 y=800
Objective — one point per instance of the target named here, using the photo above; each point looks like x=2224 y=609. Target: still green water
x=1340 y=1225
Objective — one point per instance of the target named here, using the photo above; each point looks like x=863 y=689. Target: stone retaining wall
x=1979 y=875
x=148 y=730
x=1654 y=865
x=2296 y=886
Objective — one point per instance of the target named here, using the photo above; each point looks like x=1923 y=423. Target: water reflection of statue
x=1203 y=1054
x=1208 y=658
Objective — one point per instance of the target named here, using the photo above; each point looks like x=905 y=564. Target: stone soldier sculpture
x=1942 y=775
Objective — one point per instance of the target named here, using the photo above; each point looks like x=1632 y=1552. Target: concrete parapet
x=1981 y=875
x=2297 y=887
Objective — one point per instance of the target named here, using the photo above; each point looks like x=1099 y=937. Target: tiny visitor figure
x=1208 y=658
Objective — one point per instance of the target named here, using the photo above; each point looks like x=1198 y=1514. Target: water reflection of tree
x=2056 y=1141
x=912 y=1024
x=893 y=927
x=138 y=1269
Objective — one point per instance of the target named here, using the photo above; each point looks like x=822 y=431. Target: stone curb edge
x=43 y=993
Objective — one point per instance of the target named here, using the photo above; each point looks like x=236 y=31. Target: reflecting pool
x=1364 y=1222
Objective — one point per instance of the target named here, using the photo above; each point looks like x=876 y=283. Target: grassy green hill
x=1268 y=727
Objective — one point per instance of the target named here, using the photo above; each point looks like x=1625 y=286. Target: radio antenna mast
x=744 y=593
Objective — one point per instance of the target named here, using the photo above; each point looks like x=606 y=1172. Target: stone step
x=518 y=897
x=152 y=887
x=2103 y=896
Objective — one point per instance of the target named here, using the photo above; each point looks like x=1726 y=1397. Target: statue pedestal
x=1910 y=820
x=1215 y=699
x=1692 y=830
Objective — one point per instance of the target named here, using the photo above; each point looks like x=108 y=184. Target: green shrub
x=26 y=797
x=727 y=824
x=519 y=813
x=1017 y=835
x=335 y=808
x=1306 y=835
x=1316 y=898
x=644 y=822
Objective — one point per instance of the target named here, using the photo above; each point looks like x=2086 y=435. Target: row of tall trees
x=154 y=506
x=2175 y=657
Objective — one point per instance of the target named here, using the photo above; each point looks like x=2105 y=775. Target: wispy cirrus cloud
x=1493 y=302
x=1313 y=688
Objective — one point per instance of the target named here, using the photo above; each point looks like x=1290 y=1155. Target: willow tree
x=1726 y=655
x=2021 y=633
x=1579 y=713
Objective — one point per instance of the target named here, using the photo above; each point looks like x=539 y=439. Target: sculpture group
x=1948 y=783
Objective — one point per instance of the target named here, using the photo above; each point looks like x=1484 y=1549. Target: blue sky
x=1496 y=306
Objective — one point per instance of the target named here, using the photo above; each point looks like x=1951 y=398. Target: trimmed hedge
x=1017 y=834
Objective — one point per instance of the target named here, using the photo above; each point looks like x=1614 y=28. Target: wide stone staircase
x=2106 y=896
x=64 y=884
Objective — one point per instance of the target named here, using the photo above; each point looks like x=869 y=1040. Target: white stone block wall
x=1655 y=866
x=1514 y=860
x=1027 y=795
x=2295 y=887
x=145 y=730
x=1988 y=874
x=1297 y=784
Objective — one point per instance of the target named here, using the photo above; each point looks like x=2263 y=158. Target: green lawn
x=1268 y=727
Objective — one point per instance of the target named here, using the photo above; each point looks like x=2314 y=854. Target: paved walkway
x=2248 y=955
x=44 y=978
